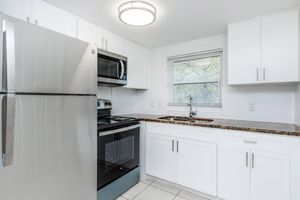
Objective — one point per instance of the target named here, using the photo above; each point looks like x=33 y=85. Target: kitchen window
x=198 y=75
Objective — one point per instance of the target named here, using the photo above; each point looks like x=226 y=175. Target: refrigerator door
x=55 y=145
x=50 y=62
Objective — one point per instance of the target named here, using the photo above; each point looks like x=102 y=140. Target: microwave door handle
x=122 y=69
x=118 y=65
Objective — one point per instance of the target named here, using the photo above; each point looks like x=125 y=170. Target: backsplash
x=124 y=100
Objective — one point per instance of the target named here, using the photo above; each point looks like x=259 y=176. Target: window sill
x=216 y=105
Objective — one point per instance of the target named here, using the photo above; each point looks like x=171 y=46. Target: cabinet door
x=234 y=172
x=53 y=18
x=270 y=176
x=280 y=47
x=160 y=156
x=90 y=33
x=20 y=9
x=113 y=43
x=196 y=165
x=244 y=40
x=137 y=65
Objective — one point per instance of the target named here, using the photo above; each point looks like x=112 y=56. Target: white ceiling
x=178 y=20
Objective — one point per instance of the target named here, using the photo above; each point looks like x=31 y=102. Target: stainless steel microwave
x=112 y=69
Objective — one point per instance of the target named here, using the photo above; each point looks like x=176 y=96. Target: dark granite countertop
x=243 y=125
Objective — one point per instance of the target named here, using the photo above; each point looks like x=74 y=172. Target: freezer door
x=7 y=55
x=54 y=150
x=50 y=62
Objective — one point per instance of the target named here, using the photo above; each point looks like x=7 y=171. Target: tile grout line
x=138 y=192
x=165 y=190
x=141 y=191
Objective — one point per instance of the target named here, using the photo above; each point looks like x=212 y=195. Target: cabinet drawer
x=183 y=131
x=255 y=142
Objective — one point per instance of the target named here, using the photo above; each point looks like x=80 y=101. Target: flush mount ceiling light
x=137 y=13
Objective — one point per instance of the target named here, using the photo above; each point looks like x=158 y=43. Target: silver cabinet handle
x=247 y=159
x=252 y=161
x=173 y=145
x=257 y=74
x=106 y=44
x=8 y=129
x=250 y=142
x=8 y=59
x=264 y=74
x=177 y=146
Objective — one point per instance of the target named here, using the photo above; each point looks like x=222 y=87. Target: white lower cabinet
x=234 y=171
x=246 y=173
x=196 y=165
x=160 y=158
x=185 y=161
x=270 y=176
x=227 y=164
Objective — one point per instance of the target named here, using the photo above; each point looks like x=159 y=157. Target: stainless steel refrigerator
x=48 y=136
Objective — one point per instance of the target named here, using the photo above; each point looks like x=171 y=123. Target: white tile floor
x=149 y=189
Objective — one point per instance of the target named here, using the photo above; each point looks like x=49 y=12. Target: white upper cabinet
x=20 y=9
x=137 y=65
x=54 y=18
x=41 y=13
x=244 y=52
x=264 y=50
x=113 y=43
x=280 y=47
x=90 y=33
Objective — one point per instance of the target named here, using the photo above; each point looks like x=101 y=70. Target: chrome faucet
x=190 y=104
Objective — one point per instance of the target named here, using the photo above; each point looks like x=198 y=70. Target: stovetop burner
x=108 y=122
x=114 y=122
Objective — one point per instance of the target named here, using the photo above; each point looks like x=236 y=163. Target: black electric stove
x=118 y=150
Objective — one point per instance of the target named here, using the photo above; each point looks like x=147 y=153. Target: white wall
x=123 y=99
x=273 y=102
x=297 y=106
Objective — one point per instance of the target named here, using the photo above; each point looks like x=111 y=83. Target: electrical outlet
x=251 y=107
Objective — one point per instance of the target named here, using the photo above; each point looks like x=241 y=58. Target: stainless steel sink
x=187 y=119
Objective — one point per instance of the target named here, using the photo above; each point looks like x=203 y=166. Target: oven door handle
x=118 y=130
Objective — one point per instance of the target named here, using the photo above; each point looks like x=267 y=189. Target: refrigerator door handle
x=8 y=129
x=8 y=59
x=1 y=47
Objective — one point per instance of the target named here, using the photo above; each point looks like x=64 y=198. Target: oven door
x=118 y=153
x=112 y=68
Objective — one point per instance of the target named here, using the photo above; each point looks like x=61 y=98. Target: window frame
x=199 y=55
